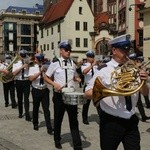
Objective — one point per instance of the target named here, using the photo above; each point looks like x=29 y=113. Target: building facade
x=18 y=28
x=74 y=22
x=146 y=44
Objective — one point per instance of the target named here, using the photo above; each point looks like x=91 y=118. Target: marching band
x=25 y=76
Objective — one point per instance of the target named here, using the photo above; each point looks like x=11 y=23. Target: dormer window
x=24 y=11
x=37 y=13
x=13 y=11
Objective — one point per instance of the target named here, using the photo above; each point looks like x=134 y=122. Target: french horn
x=125 y=81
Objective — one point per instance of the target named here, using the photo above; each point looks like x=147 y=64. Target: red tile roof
x=56 y=11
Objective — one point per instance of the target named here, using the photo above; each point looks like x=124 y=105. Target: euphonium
x=9 y=76
x=125 y=81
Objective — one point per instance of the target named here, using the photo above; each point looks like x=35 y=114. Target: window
x=77 y=25
x=25 y=40
x=42 y=33
x=47 y=32
x=77 y=42
x=25 y=29
x=85 y=44
x=13 y=11
x=47 y=46
x=84 y=26
x=58 y=28
x=37 y=13
x=44 y=47
x=24 y=12
x=52 y=30
x=80 y=10
x=52 y=45
x=140 y=38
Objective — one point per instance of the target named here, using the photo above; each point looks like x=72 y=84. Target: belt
x=23 y=79
x=57 y=91
x=40 y=88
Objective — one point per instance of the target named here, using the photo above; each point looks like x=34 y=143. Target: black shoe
x=14 y=106
x=58 y=145
x=6 y=105
x=148 y=106
x=36 y=127
x=28 y=118
x=145 y=118
x=20 y=116
x=86 y=122
x=50 y=131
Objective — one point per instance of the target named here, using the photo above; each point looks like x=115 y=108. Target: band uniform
x=40 y=92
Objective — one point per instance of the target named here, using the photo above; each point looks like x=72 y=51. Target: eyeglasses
x=67 y=50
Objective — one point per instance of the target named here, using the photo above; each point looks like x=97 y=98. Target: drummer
x=62 y=76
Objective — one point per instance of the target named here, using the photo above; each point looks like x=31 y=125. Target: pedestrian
x=118 y=121
x=40 y=92
x=20 y=71
x=88 y=70
x=8 y=85
x=61 y=75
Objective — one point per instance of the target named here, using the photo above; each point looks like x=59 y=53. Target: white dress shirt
x=114 y=105
x=88 y=76
x=36 y=83
x=58 y=70
x=19 y=75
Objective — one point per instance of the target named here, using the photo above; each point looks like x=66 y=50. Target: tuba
x=9 y=76
x=125 y=81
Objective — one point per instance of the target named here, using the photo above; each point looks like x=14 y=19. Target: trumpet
x=125 y=81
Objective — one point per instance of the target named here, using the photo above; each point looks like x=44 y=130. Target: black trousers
x=85 y=108
x=23 y=92
x=141 y=107
x=41 y=96
x=9 y=88
x=59 y=110
x=114 y=130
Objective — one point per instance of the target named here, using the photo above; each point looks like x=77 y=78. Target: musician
x=20 y=70
x=144 y=117
x=140 y=60
x=118 y=122
x=61 y=75
x=88 y=70
x=40 y=92
x=9 y=86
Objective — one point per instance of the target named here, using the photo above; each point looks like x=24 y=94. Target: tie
x=128 y=103
x=22 y=73
x=41 y=76
x=92 y=70
x=66 y=72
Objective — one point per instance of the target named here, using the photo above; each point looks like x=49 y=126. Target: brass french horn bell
x=125 y=81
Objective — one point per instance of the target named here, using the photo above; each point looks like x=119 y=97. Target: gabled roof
x=56 y=11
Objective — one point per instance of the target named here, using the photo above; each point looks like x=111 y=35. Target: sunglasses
x=67 y=50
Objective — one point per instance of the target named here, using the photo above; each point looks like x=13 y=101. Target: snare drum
x=74 y=98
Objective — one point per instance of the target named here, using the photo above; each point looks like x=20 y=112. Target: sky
x=21 y=3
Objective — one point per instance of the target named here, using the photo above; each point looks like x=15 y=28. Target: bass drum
x=74 y=98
